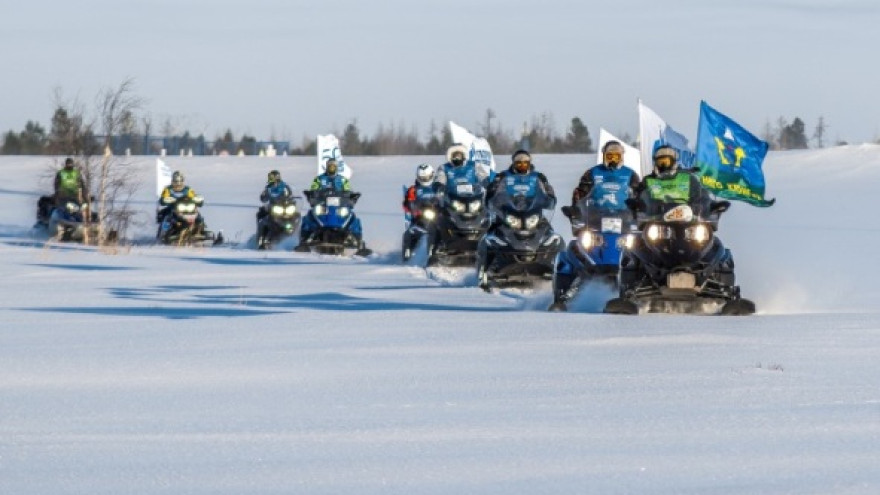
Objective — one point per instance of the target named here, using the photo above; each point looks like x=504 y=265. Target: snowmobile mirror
x=719 y=206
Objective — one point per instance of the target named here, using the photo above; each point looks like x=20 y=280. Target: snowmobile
x=424 y=221
x=281 y=221
x=73 y=221
x=336 y=230
x=675 y=262
x=45 y=205
x=183 y=225
x=594 y=253
x=521 y=246
x=462 y=223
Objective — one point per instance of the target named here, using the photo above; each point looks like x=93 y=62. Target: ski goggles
x=613 y=156
x=664 y=161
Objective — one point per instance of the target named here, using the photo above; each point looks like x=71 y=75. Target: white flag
x=631 y=155
x=163 y=176
x=653 y=131
x=479 y=150
x=328 y=147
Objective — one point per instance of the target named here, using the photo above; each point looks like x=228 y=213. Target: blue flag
x=729 y=158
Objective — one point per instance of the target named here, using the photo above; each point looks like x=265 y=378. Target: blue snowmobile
x=594 y=254
x=331 y=226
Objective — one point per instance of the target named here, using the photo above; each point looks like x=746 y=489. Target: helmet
x=68 y=163
x=457 y=155
x=522 y=161
x=665 y=161
x=612 y=154
x=425 y=174
x=331 y=166
x=177 y=180
x=274 y=177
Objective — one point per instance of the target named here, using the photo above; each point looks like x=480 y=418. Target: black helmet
x=665 y=161
x=274 y=177
x=331 y=166
x=68 y=163
x=612 y=154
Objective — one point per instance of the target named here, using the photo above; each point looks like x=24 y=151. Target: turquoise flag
x=729 y=158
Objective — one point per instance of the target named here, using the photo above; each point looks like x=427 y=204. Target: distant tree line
x=71 y=134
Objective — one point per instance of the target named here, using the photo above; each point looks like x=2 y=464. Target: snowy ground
x=226 y=370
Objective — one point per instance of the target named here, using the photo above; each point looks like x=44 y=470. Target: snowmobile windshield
x=521 y=203
x=464 y=190
x=591 y=214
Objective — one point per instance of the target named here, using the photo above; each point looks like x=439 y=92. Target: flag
x=479 y=150
x=163 y=176
x=654 y=132
x=730 y=158
x=631 y=155
x=327 y=148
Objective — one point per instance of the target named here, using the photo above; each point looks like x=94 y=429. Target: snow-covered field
x=160 y=370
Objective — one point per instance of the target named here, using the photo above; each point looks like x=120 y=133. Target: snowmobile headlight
x=532 y=221
x=320 y=209
x=277 y=210
x=514 y=221
x=698 y=233
x=290 y=209
x=475 y=205
x=626 y=241
x=656 y=232
x=186 y=207
x=589 y=240
x=429 y=215
x=458 y=206
x=343 y=211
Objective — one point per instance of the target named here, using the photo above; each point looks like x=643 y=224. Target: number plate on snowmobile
x=612 y=225
x=333 y=201
x=681 y=280
x=464 y=188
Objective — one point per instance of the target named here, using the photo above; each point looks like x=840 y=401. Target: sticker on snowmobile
x=464 y=189
x=333 y=201
x=612 y=225
x=681 y=213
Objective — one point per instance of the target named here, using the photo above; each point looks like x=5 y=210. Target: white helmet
x=425 y=174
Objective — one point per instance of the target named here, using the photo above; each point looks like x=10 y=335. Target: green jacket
x=69 y=183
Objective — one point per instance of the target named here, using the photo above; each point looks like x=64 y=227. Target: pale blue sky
x=292 y=68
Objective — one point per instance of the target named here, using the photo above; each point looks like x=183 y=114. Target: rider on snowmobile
x=521 y=175
x=69 y=184
x=669 y=184
x=275 y=189
x=330 y=179
x=174 y=192
x=458 y=168
x=608 y=184
x=424 y=188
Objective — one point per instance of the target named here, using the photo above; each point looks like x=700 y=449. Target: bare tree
x=115 y=177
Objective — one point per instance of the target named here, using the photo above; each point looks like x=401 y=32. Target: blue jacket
x=607 y=187
x=274 y=191
x=335 y=182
